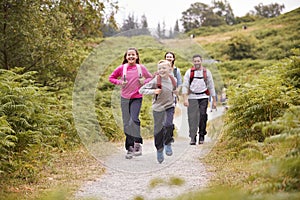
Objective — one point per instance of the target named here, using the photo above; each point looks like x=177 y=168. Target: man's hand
x=186 y=103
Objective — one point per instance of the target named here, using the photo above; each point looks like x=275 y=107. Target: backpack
x=192 y=74
x=172 y=80
x=159 y=86
x=175 y=72
x=140 y=74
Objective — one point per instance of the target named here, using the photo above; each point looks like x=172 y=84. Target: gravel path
x=126 y=179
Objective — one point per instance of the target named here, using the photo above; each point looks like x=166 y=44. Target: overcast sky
x=168 y=11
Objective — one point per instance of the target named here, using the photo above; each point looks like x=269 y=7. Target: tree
x=144 y=24
x=111 y=27
x=176 y=27
x=163 y=31
x=130 y=23
x=144 y=21
x=268 y=11
x=224 y=10
x=213 y=20
x=195 y=16
x=35 y=35
x=86 y=16
x=159 y=31
x=171 y=34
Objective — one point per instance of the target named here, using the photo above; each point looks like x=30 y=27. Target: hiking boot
x=129 y=154
x=201 y=139
x=193 y=141
x=137 y=149
x=160 y=155
x=168 y=149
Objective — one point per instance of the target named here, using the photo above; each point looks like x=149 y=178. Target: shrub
x=33 y=122
x=240 y=47
x=263 y=98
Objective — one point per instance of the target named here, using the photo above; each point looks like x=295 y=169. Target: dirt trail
x=127 y=179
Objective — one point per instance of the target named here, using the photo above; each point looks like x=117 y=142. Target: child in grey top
x=163 y=106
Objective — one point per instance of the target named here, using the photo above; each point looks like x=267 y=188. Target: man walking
x=198 y=85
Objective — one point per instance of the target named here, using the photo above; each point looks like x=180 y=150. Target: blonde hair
x=163 y=62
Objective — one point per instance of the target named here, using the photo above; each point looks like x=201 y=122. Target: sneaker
x=168 y=149
x=201 y=139
x=137 y=149
x=193 y=141
x=160 y=155
x=129 y=154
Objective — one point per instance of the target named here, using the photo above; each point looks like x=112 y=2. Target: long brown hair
x=170 y=52
x=137 y=53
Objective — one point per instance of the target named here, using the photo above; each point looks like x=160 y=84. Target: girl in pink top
x=131 y=76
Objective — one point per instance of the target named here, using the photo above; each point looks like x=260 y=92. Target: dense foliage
x=260 y=137
x=33 y=123
x=263 y=98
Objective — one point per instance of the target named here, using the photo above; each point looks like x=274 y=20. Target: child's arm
x=148 y=88
x=147 y=75
x=115 y=75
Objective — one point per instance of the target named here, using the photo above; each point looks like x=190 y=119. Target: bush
x=240 y=47
x=33 y=122
x=264 y=98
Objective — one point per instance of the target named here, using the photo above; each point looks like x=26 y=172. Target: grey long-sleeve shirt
x=165 y=99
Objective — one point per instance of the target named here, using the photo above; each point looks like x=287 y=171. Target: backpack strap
x=205 y=75
x=175 y=72
x=125 y=71
x=192 y=74
x=173 y=82
x=158 y=82
x=139 y=69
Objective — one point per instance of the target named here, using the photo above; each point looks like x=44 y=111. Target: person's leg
x=159 y=134
x=169 y=129
x=158 y=129
x=193 y=119
x=169 y=126
x=203 y=119
x=135 y=108
x=129 y=140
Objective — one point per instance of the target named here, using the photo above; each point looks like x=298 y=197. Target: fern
x=31 y=119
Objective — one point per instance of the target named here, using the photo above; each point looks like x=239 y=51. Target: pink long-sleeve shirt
x=131 y=89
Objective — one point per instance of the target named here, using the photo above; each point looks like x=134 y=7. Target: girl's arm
x=115 y=75
x=146 y=74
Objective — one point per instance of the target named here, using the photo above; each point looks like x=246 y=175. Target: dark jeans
x=163 y=127
x=197 y=116
x=131 y=122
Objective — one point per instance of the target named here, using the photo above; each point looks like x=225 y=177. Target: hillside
x=257 y=153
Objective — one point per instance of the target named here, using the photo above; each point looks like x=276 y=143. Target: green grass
x=172 y=181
